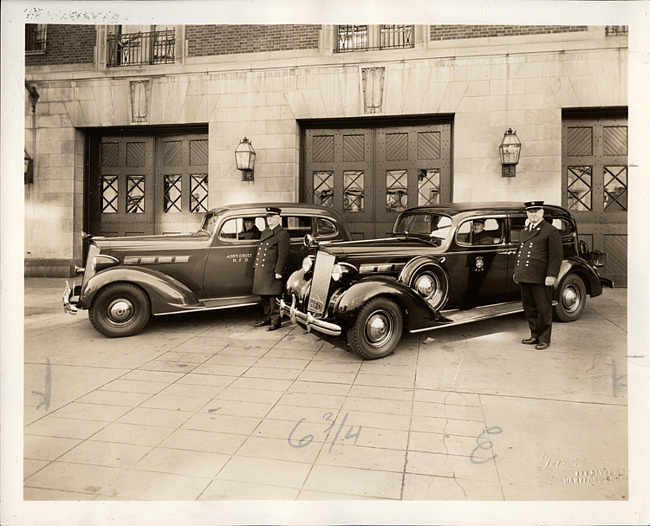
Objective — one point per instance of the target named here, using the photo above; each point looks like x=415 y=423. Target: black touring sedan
x=126 y=280
x=443 y=265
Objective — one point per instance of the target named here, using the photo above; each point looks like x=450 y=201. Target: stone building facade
x=133 y=129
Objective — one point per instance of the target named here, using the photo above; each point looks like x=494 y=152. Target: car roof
x=481 y=207
x=285 y=207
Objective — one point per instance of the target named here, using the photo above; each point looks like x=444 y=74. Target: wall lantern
x=245 y=159
x=29 y=169
x=509 y=150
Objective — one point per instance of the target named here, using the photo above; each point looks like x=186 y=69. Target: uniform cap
x=532 y=205
x=273 y=210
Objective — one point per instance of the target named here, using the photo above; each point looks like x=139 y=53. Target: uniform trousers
x=271 y=310
x=537 y=300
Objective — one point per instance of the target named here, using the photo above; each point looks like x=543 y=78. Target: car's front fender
x=167 y=294
x=418 y=313
x=577 y=265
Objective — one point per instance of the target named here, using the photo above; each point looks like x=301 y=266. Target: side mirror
x=309 y=240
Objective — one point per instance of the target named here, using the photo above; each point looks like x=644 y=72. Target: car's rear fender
x=577 y=265
x=417 y=312
x=167 y=294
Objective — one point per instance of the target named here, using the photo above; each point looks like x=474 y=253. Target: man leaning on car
x=270 y=264
x=536 y=271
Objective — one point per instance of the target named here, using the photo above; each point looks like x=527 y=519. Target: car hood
x=140 y=243
x=392 y=247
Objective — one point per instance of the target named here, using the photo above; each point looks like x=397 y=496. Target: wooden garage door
x=145 y=185
x=595 y=186
x=370 y=174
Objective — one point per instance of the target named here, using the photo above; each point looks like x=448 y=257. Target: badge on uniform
x=479 y=264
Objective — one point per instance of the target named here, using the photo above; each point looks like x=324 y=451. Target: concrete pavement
x=205 y=407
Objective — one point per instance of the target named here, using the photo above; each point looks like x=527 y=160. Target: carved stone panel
x=373 y=89
x=140 y=100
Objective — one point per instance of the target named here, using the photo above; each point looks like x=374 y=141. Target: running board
x=453 y=317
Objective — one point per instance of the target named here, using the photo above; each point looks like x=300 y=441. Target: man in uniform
x=250 y=230
x=536 y=270
x=270 y=264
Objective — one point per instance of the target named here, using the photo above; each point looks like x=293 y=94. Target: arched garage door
x=370 y=174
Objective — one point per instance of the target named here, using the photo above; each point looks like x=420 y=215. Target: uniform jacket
x=272 y=255
x=540 y=254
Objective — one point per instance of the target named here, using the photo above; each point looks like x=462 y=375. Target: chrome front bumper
x=308 y=319
x=68 y=294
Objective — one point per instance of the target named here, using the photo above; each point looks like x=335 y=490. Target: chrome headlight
x=307 y=263
x=337 y=272
x=102 y=261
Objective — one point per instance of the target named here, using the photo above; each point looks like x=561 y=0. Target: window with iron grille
x=35 y=38
x=143 y=47
x=371 y=37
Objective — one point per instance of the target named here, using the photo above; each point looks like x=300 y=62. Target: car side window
x=297 y=226
x=326 y=228
x=517 y=224
x=481 y=231
x=563 y=226
x=242 y=229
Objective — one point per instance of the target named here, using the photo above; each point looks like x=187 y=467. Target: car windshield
x=209 y=222
x=434 y=226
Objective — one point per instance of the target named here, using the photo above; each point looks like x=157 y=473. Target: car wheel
x=572 y=298
x=377 y=329
x=120 y=309
x=432 y=285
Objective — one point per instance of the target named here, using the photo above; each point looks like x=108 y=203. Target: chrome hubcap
x=425 y=286
x=120 y=310
x=570 y=299
x=378 y=328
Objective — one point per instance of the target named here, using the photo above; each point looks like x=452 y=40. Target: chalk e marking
x=485 y=444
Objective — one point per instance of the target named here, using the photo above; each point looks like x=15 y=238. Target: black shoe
x=273 y=327
x=529 y=341
x=541 y=346
x=262 y=323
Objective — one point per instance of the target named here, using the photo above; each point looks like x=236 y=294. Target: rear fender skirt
x=167 y=294
x=576 y=265
x=417 y=312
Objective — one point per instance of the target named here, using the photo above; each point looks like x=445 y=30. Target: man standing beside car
x=536 y=271
x=269 y=267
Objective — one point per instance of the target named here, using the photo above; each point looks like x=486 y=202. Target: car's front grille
x=320 y=283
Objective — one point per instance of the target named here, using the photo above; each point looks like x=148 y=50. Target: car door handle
x=507 y=252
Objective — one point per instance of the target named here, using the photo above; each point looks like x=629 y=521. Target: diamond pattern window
x=396 y=190
x=109 y=188
x=353 y=193
x=198 y=193
x=579 y=188
x=135 y=194
x=323 y=188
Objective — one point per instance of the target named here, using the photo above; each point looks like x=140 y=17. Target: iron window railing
x=367 y=37
x=136 y=49
x=35 y=37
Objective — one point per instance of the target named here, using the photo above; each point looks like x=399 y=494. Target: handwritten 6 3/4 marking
x=328 y=417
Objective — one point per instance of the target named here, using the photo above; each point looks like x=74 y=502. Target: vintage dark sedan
x=444 y=265
x=127 y=279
